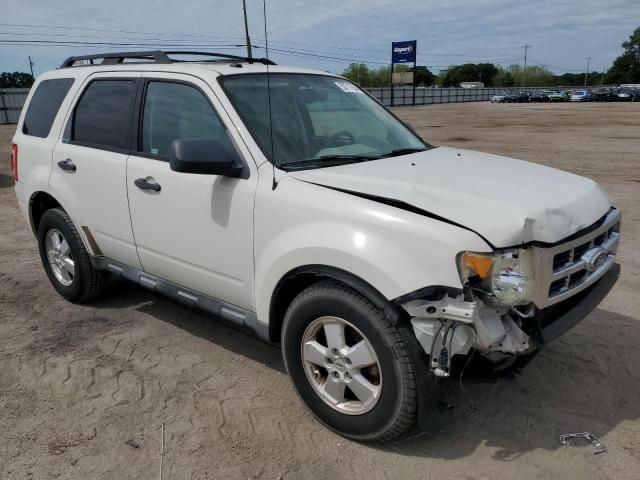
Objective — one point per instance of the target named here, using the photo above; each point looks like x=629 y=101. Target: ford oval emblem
x=594 y=258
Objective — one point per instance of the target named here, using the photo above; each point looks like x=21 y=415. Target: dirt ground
x=84 y=390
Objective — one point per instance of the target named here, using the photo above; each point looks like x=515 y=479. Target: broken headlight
x=500 y=275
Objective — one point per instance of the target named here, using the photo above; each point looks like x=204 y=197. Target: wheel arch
x=298 y=279
x=39 y=202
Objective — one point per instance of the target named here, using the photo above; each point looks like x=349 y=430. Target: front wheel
x=349 y=364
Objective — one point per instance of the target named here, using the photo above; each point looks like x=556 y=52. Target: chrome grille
x=566 y=269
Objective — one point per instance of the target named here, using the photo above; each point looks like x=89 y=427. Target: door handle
x=67 y=165
x=148 y=183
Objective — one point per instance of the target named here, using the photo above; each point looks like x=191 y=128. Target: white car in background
x=580 y=96
x=499 y=98
x=292 y=204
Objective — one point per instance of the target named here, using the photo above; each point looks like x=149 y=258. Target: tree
x=469 y=72
x=15 y=80
x=534 y=76
x=367 y=77
x=423 y=76
x=503 y=79
x=358 y=73
x=626 y=68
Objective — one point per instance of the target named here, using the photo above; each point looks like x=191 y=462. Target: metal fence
x=430 y=95
x=11 y=103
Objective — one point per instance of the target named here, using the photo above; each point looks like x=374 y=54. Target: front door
x=194 y=230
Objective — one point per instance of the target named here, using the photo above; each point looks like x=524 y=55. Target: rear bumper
x=557 y=319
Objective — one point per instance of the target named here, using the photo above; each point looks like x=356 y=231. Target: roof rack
x=155 y=56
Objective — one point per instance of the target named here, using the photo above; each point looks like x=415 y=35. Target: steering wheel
x=337 y=139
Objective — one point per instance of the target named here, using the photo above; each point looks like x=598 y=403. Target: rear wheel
x=66 y=260
x=349 y=364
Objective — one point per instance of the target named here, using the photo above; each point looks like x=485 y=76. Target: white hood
x=507 y=201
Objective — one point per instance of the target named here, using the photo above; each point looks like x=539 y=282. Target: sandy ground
x=84 y=390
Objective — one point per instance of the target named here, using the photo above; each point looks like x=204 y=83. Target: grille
x=569 y=268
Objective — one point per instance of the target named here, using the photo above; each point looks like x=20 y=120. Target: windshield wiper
x=402 y=151
x=327 y=161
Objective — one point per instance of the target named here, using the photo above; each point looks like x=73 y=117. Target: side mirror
x=205 y=155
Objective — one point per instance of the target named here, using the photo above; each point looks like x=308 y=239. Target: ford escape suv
x=290 y=203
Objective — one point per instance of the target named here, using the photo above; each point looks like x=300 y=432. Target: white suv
x=291 y=203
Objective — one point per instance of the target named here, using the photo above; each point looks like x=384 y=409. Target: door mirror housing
x=205 y=156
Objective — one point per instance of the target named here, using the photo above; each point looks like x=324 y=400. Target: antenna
x=266 y=48
x=246 y=30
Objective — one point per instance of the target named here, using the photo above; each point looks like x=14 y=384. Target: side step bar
x=232 y=314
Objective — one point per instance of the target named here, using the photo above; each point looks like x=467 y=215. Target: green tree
x=503 y=79
x=423 y=76
x=534 y=76
x=469 y=72
x=15 y=80
x=358 y=73
x=626 y=68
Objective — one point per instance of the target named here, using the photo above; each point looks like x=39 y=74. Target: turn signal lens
x=476 y=264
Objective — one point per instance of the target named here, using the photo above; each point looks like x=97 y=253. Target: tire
x=394 y=411
x=79 y=283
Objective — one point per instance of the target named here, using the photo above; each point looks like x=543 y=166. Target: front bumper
x=499 y=334
x=549 y=323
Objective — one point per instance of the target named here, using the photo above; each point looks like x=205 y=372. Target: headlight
x=500 y=275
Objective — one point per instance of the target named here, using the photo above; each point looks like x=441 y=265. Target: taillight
x=14 y=161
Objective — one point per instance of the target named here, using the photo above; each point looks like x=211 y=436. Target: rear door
x=90 y=164
x=194 y=230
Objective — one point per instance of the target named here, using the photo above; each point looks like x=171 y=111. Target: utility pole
x=602 y=78
x=31 y=67
x=246 y=30
x=586 y=74
x=526 y=47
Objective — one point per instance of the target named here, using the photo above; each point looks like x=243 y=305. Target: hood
x=506 y=201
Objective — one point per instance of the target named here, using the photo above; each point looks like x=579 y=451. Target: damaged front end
x=515 y=300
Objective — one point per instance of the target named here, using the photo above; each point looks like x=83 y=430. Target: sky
x=325 y=35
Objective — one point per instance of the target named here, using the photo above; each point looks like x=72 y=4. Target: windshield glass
x=317 y=120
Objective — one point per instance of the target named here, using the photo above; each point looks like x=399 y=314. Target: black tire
x=87 y=283
x=396 y=409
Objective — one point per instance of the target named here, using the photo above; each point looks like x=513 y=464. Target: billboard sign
x=403 y=52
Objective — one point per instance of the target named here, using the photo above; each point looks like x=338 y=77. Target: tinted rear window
x=44 y=106
x=103 y=114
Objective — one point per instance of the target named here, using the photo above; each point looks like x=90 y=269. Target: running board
x=232 y=314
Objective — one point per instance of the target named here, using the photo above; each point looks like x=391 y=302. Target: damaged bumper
x=454 y=326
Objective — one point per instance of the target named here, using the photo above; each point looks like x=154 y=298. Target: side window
x=103 y=114
x=173 y=111
x=44 y=106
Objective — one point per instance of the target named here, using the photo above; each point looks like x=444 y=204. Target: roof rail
x=155 y=56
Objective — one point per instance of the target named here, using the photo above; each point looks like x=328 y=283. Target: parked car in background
x=518 y=97
x=624 y=95
x=557 y=96
x=603 y=95
x=499 y=98
x=539 y=97
x=580 y=96
x=636 y=95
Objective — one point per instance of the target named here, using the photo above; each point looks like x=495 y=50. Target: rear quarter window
x=44 y=106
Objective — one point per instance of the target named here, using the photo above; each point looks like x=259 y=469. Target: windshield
x=317 y=120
